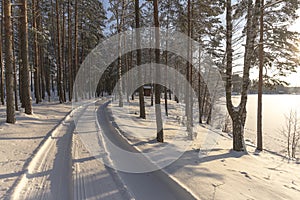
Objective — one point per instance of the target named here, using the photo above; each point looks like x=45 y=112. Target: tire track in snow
x=91 y=178
x=49 y=174
x=62 y=168
x=144 y=186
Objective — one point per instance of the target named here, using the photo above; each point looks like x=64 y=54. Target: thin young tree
x=139 y=58
x=9 y=76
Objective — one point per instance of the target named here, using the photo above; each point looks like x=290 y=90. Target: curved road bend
x=143 y=186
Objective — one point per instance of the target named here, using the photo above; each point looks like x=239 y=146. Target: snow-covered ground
x=208 y=168
x=33 y=164
x=275 y=110
x=43 y=158
x=19 y=142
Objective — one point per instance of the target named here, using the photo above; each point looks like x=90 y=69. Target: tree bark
x=139 y=59
x=70 y=66
x=15 y=71
x=199 y=90
x=48 y=79
x=59 y=56
x=1 y=59
x=260 y=80
x=76 y=66
x=187 y=63
x=166 y=71
x=159 y=124
x=238 y=114
x=63 y=54
x=42 y=66
x=36 y=52
x=188 y=98
x=9 y=76
x=236 y=119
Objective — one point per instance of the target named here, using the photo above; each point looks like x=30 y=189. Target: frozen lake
x=275 y=107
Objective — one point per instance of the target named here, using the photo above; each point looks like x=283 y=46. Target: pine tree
x=24 y=72
x=70 y=64
x=76 y=62
x=35 y=13
x=139 y=57
x=59 y=55
x=278 y=48
x=159 y=124
x=118 y=9
x=238 y=114
x=1 y=58
x=9 y=76
x=260 y=79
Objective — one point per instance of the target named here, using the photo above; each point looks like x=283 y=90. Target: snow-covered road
x=149 y=185
x=65 y=168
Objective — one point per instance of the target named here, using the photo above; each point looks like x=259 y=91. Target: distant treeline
x=277 y=90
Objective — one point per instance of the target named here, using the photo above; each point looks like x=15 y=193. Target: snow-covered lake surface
x=275 y=108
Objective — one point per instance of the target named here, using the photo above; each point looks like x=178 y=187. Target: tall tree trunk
x=9 y=76
x=70 y=66
x=187 y=63
x=119 y=81
x=48 y=79
x=59 y=57
x=131 y=64
x=20 y=21
x=76 y=67
x=41 y=80
x=139 y=59
x=1 y=59
x=41 y=75
x=236 y=119
x=159 y=124
x=166 y=99
x=127 y=63
x=260 y=79
x=54 y=42
x=36 y=52
x=238 y=115
x=151 y=74
x=191 y=100
x=120 y=23
x=15 y=72
x=42 y=71
x=188 y=106
x=63 y=42
x=200 y=99
x=166 y=71
x=176 y=84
